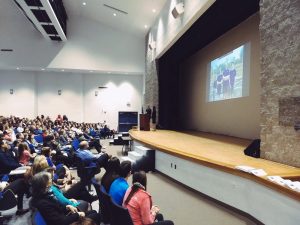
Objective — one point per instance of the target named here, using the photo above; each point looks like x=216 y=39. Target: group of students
x=135 y=197
x=48 y=180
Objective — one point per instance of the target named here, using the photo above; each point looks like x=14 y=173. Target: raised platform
x=206 y=162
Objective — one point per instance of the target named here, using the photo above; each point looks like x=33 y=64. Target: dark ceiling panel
x=41 y=16
x=50 y=29
x=55 y=38
x=34 y=3
x=222 y=16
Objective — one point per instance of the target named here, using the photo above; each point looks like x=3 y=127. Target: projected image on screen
x=227 y=76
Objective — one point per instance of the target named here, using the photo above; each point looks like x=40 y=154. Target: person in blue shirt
x=119 y=187
x=87 y=156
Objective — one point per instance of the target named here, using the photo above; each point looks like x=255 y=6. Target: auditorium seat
x=8 y=203
x=120 y=214
x=39 y=138
x=37 y=219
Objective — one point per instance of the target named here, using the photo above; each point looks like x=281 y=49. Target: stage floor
x=216 y=151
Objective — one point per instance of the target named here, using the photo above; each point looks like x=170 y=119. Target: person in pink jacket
x=139 y=203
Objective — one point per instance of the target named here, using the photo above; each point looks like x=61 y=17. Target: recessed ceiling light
x=154 y=10
x=18 y=68
x=115 y=14
x=42 y=69
x=146 y=26
x=84 y=3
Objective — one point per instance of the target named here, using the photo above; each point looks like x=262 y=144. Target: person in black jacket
x=46 y=203
x=7 y=161
x=112 y=172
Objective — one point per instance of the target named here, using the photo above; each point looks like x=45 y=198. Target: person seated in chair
x=49 y=207
x=111 y=173
x=7 y=161
x=139 y=203
x=105 y=132
x=119 y=186
x=87 y=156
x=24 y=154
x=93 y=143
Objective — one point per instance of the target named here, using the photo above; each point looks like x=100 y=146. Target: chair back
x=105 y=200
x=8 y=200
x=39 y=138
x=37 y=219
x=84 y=171
x=121 y=215
x=75 y=144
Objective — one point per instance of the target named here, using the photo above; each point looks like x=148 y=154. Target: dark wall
x=222 y=16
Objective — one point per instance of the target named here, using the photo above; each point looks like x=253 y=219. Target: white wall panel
x=22 y=101
x=36 y=93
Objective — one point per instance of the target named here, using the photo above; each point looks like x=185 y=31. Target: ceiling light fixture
x=43 y=69
x=115 y=14
x=62 y=70
x=178 y=10
x=146 y=26
x=154 y=10
x=84 y=3
x=18 y=68
x=152 y=45
x=115 y=9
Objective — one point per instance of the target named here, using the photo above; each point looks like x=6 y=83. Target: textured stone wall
x=151 y=79
x=280 y=80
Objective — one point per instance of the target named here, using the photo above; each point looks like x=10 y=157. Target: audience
x=48 y=181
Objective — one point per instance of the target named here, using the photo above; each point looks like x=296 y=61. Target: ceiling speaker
x=152 y=45
x=178 y=10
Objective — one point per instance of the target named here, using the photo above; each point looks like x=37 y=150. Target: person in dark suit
x=149 y=112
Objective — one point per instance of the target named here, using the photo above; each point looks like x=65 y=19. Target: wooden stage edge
x=219 y=152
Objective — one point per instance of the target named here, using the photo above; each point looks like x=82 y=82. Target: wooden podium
x=144 y=122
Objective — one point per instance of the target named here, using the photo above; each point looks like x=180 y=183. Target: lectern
x=144 y=122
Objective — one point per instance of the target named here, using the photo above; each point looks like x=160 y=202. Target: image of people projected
x=227 y=75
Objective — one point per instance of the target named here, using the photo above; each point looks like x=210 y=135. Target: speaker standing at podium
x=148 y=112
x=154 y=115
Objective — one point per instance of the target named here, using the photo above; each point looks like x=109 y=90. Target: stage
x=220 y=152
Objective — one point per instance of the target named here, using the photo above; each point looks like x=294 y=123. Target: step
x=135 y=155
x=142 y=149
x=125 y=134
x=124 y=158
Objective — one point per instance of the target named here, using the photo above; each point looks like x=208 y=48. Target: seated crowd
x=45 y=150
